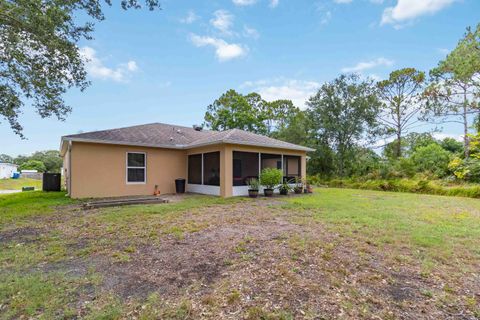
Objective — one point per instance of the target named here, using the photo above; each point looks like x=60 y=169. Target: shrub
x=33 y=165
x=270 y=177
x=432 y=158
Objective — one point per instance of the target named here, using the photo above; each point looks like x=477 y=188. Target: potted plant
x=308 y=186
x=270 y=178
x=284 y=188
x=253 y=186
x=298 y=185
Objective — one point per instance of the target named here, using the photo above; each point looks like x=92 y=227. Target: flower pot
x=253 y=193
x=283 y=192
x=298 y=190
x=309 y=189
x=268 y=192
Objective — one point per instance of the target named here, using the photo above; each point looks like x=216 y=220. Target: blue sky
x=169 y=65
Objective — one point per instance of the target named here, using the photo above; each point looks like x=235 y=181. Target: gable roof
x=162 y=135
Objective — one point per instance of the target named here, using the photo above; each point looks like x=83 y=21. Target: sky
x=169 y=65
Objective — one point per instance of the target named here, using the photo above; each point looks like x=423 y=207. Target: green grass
x=438 y=226
x=434 y=233
x=18 y=207
x=17 y=184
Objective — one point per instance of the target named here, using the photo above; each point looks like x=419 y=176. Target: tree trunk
x=398 y=152
x=466 y=140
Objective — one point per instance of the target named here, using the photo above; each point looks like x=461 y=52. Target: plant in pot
x=298 y=185
x=253 y=186
x=308 y=186
x=284 y=188
x=270 y=178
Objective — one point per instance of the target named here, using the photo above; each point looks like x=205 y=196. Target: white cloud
x=250 y=32
x=365 y=65
x=190 y=18
x=222 y=21
x=407 y=10
x=342 y=1
x=441 y=136
x=274 y=3
x=299 y=91
x=244 y=2
x=97 y=69
x=223 y=50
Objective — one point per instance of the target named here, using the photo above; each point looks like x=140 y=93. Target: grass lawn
x=17 y=184
x=338 y=253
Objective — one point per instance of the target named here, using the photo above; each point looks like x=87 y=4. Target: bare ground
x=251 y=259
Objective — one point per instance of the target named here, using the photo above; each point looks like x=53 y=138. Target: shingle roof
x=179 y=137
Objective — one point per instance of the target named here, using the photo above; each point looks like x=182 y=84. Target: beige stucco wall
x=99 y=170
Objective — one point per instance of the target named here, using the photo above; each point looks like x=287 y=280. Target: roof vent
x=179 y=131
x=171 y=138
x=197 y=127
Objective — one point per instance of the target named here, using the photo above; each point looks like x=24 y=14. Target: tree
x=294 y=129
x=432 y=158
x=50 y=158
x=248 y=112
x=401 y=96
x=5 y=158
x=452 y=145
x=344 y=111
x=39 y=55
x=455 y=85
x=33 y=165
x=233 y=110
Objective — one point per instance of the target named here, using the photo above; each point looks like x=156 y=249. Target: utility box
x=51 y=181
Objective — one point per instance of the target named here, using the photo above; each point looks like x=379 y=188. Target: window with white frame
x=136 y=167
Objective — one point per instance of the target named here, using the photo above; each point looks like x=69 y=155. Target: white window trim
x=127 y=167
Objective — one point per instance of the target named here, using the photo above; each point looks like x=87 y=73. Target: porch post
x=226 y=171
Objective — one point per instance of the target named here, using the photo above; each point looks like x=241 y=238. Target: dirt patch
x=24 y=235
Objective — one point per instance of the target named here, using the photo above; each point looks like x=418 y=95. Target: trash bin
x=51 y=181
x=180 y=185
x=16 y=175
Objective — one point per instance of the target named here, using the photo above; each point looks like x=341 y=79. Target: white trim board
x=203 y=189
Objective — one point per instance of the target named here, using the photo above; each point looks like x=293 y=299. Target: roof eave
x=124 y=143
x=183 y=147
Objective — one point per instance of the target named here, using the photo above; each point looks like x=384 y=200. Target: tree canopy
x=401 y=97
x=39 y=56
x=344 y=111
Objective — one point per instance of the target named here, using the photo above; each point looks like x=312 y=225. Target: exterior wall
x=99 y=170
x=7 y=170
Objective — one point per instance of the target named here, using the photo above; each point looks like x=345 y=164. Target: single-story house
x=7 y=170
x=134 y=160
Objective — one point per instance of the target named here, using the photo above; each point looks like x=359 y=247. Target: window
x=245 y=167
x=136 y=167
x=291 y=167
x=211 y=169
x=195 y=169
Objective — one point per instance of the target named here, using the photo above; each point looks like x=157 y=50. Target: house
x=7 y=170
x=134 y=160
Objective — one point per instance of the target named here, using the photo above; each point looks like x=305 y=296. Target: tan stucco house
x=133 y=160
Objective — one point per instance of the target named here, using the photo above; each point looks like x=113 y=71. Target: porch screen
x=245 y=167
x=211 y=169
x=271 y=161
x=291 y=167
x=195 y=169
